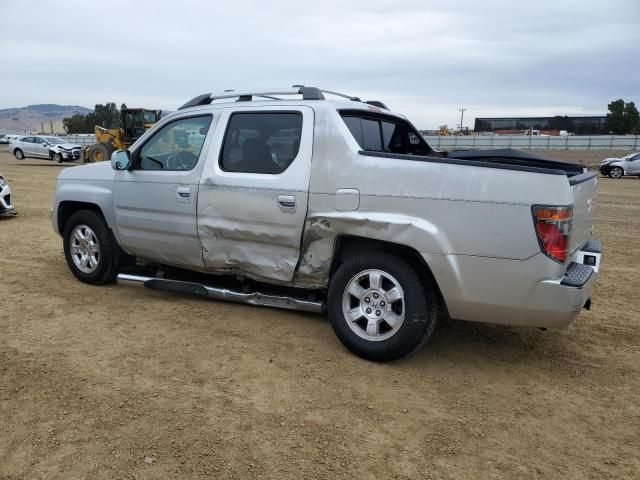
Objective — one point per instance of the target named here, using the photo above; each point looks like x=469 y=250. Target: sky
x=425 y=59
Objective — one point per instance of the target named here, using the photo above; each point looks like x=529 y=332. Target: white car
x=8 y=139
x=6 y=208
x=44 y=146
x=619 y=167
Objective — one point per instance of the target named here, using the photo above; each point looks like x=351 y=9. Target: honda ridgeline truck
x=285 y=198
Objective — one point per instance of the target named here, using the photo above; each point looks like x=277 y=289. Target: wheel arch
x=67 y=208
x=619 y=165
x=348 y=245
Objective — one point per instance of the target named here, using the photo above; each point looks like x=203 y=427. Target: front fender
x=92 y=192
x=617 y=164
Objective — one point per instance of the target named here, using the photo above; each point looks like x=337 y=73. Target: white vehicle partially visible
x=45 y=146
x=628 y=165
x=9 y=139
x=6 y=207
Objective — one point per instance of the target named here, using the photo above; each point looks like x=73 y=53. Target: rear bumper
x=536 y=292
x=555 y=302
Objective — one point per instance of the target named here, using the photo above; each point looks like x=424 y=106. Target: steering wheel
x=182 y=160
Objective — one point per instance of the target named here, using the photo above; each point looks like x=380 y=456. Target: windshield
x=54 y=140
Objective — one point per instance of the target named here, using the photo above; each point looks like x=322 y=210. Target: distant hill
x=33 y=118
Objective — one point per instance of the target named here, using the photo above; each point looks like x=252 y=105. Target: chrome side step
x=253 y=298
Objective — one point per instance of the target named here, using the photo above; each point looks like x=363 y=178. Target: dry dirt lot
x=117 y=382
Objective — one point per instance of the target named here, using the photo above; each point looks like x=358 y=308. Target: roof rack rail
x=308 y=93
x=377 y=103
x=343 y=95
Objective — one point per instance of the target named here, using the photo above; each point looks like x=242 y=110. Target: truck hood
x=93 y=171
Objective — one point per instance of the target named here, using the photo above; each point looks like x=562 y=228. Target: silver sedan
x=619 y=167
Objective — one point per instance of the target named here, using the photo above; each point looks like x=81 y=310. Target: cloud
x=423 y=58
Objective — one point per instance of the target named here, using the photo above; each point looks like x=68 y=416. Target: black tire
x=616 y=172
x=19 y=154
x=420 y=307
x=99 y=152
x=110 y=257
x=57 y=157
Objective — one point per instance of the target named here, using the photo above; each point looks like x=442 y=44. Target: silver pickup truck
x=285 y=198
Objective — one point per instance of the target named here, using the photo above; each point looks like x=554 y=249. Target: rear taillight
x=553 y=227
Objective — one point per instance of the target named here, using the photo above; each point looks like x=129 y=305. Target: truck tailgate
x=584 y=188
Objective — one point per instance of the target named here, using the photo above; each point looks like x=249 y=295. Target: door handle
x=184 y=192
x=287 y=202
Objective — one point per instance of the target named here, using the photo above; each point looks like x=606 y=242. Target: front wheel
x=616 y=172
x=57 y=157
x=379 y=306
x=18 y=154
x=90 y=249
x=99 y=152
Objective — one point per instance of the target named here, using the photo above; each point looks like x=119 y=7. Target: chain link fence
x=529 y=142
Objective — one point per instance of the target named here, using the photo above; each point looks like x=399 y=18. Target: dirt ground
x=117 y=382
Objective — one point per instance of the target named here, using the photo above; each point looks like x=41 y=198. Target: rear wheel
x=18 y=154
x=90 y=249
x=379 y=307
x=616 y=172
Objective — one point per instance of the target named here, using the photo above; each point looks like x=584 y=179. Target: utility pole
x=461 y=110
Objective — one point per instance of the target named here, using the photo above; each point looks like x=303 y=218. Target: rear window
x=261 y=142
x=383 y=134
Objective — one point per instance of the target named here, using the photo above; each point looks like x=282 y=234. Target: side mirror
x=120 y=160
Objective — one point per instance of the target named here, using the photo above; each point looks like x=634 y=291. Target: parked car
x=45 y=146
x=6 y=207
x=11 y=138
x=339 y=207
x=4 y=140
x=619 y=167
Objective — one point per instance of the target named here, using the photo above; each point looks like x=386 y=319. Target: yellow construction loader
x=135 y=121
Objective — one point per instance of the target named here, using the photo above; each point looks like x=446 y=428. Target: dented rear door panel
x=251 y=223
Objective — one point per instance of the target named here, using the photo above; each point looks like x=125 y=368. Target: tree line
x=107 y=116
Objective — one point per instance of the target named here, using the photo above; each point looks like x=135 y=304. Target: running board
x=253 y=298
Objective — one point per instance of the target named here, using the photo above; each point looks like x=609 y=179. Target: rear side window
x=261 y=142
x=378 y=134
x=371 y=139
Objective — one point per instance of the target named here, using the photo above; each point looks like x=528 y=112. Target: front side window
x=176 y=146
x=261 y=142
